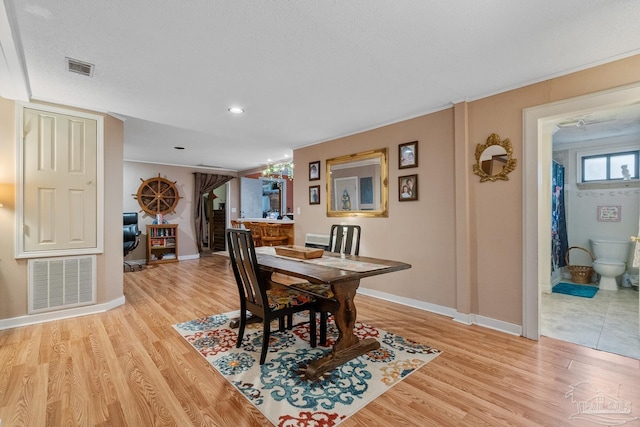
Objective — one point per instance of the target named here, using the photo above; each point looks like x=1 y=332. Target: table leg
x=348 y=346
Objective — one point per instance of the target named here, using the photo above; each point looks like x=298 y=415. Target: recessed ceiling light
x=236 y=110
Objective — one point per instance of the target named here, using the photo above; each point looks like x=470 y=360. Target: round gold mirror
x=494 y=159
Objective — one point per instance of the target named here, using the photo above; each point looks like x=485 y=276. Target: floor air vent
x=60 y=283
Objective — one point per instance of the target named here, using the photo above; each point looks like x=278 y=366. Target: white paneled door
x=60 y=181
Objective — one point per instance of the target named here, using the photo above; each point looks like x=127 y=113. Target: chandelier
x=279 y=170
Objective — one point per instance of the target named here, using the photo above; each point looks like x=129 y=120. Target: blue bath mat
x=575 y=290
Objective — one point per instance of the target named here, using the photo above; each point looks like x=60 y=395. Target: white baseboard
x=467 y=319
x=497 y=325
x=143 y=262
x=32 y=319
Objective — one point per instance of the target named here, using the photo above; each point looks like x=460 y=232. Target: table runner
x=346 y=264
x=327 y=261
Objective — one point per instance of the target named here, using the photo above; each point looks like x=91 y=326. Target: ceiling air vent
x=80 y=67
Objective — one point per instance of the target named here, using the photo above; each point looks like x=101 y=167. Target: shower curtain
x=559 y=242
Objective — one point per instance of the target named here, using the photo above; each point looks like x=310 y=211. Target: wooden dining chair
x=256 y=232
x=347 y=236
x=264 y=299
x=341 y=236
x=236 y=224
x=274 y=234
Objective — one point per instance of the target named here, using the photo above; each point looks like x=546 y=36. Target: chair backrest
x=256 y=231
x=347 y=235
x=130 y=218
x=242 y=253
x=271 y=230
x=273 y=234
x=130 y=232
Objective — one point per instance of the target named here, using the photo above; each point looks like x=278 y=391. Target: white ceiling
x=305 y=71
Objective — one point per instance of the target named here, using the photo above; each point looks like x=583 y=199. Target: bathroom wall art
x=609 y=213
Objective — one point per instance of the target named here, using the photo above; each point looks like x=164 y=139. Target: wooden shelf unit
x=218 y=229
x=162 y=243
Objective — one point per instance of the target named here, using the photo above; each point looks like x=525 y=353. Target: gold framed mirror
x=358 y=185
x=494 y=159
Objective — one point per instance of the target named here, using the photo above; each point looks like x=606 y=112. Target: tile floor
x=607 y=322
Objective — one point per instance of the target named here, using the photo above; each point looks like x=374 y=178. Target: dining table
x=343 y=273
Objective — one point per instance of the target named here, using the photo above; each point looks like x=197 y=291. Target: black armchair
x=131 y=236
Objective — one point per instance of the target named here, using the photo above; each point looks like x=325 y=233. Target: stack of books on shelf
x=155 y=243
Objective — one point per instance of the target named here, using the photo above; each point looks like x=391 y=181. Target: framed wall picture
x=408 y=188
x=314 y=171
x=346 y=193
x=314 y=195
x=408 y=155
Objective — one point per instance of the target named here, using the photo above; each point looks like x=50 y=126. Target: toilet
x=610 y=261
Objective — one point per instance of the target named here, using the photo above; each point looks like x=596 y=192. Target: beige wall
x=423 y=233
x=13 y=273
x=418 y=232
x=463 y=238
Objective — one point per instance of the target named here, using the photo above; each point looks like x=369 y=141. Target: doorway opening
x=539 y=125
x=215 y=203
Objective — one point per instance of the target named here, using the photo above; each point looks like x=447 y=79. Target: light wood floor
x=128 y=367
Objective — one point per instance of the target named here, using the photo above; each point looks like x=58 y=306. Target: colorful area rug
x=575 y=290
x=278 y=389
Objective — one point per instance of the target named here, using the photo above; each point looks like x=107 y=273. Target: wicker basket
x=579 y=273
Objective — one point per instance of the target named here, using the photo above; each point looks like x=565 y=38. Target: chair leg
x=312 y=328
x=132 y=266
x=323 y=328
x=281 y=325
x=243 y=322
x=289 y=321
x=266 y=331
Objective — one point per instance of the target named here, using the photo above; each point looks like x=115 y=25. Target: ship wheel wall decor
x=158 y=196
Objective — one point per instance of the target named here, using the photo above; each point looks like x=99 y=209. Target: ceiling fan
x=580 y=122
